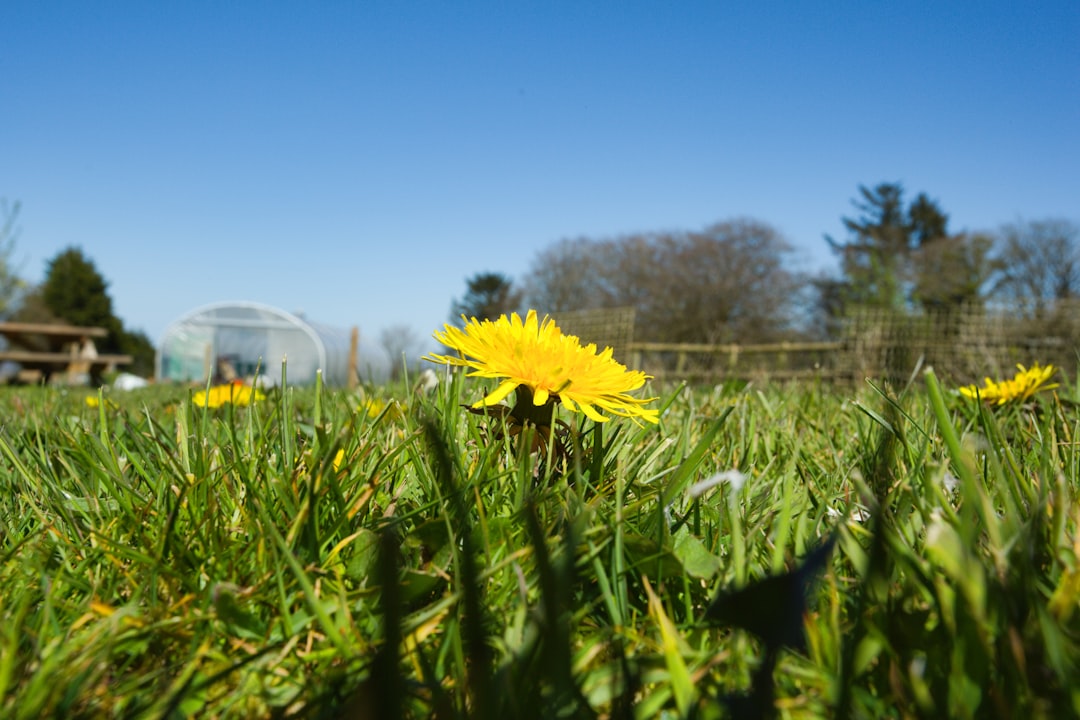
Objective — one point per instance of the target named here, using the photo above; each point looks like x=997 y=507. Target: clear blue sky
x=359 y=160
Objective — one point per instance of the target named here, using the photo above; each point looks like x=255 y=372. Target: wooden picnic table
x=48 y=348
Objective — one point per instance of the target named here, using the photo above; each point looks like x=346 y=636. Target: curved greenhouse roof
x=242 y=338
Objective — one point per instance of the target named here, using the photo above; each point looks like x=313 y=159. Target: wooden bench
x=44 y=349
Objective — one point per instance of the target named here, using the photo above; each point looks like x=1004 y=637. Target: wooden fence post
x=353 y=373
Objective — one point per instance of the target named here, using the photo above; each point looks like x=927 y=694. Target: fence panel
x=607 y=327
x=710 y=363
x=963 y=345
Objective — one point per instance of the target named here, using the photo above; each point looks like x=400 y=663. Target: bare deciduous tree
x=952 y=271
x=566 y=276
x=726 y=282
x=1040 y=263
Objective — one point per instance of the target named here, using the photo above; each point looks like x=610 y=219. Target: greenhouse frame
x=240 y=339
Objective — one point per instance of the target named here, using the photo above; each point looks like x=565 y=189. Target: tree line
x=736 y=280
x=733 y=281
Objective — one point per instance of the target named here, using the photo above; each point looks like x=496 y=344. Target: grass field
x=792 y=550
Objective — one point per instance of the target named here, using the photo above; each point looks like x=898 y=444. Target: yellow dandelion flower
x=549 y=366
x=234 y=393
x=373 y=407
x=1020 y=387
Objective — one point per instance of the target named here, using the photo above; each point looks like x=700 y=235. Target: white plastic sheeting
x=248 y=337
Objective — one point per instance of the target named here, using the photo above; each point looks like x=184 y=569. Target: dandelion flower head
x=235 y=393
x=93 y=401
x=1020 y=387
x=552 y=366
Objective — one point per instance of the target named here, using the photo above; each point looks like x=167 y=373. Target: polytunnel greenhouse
x=237 y=340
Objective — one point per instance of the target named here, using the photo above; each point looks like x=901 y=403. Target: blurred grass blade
x=673 y=649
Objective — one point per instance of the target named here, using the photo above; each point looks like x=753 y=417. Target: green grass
x=158 y=559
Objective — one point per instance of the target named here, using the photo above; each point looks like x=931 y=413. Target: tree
x=75 y=292
x=400 y=344
x=32 y=309
x=728 y=281
x=566 y=276
x=488 y=296
x=1039 y=263
x=926 y=222
x=901 y=256
x=10 y=283
x=827 y=306
x=874 y=258
x=725 y=283
x=953 y=271
x=142 y=351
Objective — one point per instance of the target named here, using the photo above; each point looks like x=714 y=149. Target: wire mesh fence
x=606 y=327
x=963 y=345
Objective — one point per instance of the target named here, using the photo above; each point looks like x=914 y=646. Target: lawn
x=800 y=551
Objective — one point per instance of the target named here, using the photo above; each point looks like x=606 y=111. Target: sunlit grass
x=321 y=552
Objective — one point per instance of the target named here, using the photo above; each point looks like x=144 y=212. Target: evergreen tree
x=901 y=256
x=926 y=222
x=489 y=295
x=873 y=259
x=143 y=353
x=75 y=292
